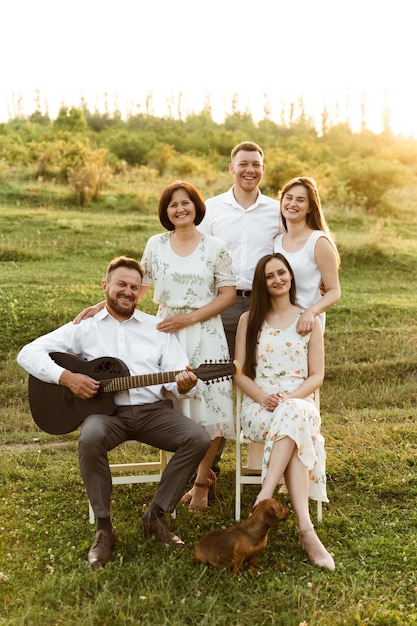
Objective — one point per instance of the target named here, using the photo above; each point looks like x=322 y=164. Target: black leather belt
x=244 y=292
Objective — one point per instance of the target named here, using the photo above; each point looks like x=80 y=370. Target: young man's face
x=247 y=169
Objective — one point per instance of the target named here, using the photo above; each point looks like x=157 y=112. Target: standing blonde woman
x=310 y=249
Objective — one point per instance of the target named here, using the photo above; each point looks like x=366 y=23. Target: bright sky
x=331 y=53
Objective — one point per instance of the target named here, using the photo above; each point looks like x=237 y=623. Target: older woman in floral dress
x=193 y=283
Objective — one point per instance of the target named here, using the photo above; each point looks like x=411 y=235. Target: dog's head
x=273 y=511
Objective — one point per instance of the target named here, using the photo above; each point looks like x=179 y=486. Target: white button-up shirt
x=248 y=233
x=136 y=341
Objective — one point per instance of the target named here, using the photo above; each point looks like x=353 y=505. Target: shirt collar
x=136 y=315
x=230 y=197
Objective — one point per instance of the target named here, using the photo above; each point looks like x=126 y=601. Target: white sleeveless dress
x=306 y=272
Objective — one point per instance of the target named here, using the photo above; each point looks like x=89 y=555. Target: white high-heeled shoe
x=326 y=561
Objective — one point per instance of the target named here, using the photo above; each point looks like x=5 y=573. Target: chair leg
x=238 y=485
x=238 y=497
x=238 y=458
x=91 y=516
x=319 y=511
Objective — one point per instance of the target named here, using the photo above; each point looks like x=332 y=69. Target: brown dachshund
x=231 y=547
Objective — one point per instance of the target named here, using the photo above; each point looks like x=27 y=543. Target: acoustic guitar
x=56 y=410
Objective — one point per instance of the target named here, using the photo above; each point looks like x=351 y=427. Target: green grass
x=52 y=258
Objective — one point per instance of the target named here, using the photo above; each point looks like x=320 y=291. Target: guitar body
x=56 y=410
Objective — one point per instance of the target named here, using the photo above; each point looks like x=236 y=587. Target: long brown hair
x=259 y=307
x=315 y=217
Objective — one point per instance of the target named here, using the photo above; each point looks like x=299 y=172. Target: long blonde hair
x=315 y=217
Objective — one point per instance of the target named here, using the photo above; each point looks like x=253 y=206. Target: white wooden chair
x=128 y=473
x=249 y=473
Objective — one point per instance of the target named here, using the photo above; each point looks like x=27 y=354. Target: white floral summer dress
x=182 y=284
x=281 y=368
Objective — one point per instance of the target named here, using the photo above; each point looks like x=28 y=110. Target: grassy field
x=52 y=259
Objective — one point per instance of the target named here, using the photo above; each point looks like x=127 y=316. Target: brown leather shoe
x=101 y=548
x=161 y=532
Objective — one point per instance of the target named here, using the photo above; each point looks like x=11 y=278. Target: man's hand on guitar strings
x=81 y=385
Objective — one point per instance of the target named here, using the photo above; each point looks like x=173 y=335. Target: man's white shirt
x=135 y=341
x=248 y=233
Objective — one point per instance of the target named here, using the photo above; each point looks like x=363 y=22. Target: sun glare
x=343 y=58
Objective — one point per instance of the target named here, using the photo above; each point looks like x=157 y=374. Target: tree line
x=84 y=148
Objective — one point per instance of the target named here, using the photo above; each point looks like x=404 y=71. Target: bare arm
x=89 y=312
x=225 y=298
x=93 y=310
x=328 y=265
x=315 y=376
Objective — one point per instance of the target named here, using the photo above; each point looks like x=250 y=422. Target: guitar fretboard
x=131 y=382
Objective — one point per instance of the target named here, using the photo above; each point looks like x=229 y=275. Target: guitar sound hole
x=106 y=367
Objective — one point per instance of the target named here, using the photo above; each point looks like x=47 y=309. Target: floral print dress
x=184 y=283
x=282 y=366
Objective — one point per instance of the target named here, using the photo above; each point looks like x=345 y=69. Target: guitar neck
x=133 y=382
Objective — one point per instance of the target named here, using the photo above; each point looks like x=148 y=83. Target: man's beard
x=113 y=304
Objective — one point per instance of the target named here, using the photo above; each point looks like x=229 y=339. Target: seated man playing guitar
x=130 y=336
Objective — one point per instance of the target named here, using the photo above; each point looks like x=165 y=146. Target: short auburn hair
x=166 y=197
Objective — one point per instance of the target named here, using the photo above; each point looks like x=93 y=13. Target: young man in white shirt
x=247 y=221
x=122 y=331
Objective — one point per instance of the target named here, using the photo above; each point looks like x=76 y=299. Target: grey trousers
x=230 y=318
x=157 y=424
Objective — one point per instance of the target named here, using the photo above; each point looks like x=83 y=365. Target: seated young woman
x=281 y=370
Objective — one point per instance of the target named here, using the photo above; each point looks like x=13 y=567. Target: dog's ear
x=272 y=514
